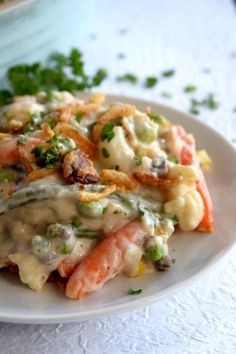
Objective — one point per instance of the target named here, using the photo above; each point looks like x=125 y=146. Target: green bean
x=36 y=193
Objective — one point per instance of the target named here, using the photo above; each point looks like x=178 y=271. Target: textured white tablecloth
x=194 y=37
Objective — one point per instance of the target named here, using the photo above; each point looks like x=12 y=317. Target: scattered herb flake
x=134 y=292
x=107 y=132
x=190 y=89
x=150 y=81
x=6 y=176
x=173 y=159
x=166 y=94
x=121 y=55
x=210 y=102
x=76 y=223
x=104 y=210
x=100 y=75
x=105 y=153
x=21 y=140
x=168 y=73
x=79 y=116
x=138 y=160
x=50 y=122
x=128 y=77
x=175 y=219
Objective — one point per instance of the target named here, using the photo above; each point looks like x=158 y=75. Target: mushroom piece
x=77 y=168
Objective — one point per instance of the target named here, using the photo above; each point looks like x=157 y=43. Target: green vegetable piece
x=150 y=81
x=105 y=153
x=104 y=210
x=5 y=97
x=21 y=140
x=100 y=75
x=76 y=223
x=146 y=133
x=168 y=73
x=138 y=160
x=6 y=176
x=157 y=118
x=66 y=249
x=134 y=292
x=190 y=89
x=79 y=116
x=107 y=132
x=173 y=159
x=128 y=77
x=210 y=102
x=90 y=209
x=154 y=252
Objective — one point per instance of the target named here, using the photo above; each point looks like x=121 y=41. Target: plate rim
x=146 y=300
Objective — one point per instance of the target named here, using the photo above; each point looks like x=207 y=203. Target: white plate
x=195 y=253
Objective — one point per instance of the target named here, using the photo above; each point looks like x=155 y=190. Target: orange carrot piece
x=189 y=157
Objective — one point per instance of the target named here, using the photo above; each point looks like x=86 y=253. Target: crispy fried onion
x=81 y=141
x=151 y=180
x=17 y=99
x=77 y=168
x=86 y=196
x=120 y=179
x=116 y=111
x=5 y=135
x=24 y=159
x=47 y=131
x=41 y=173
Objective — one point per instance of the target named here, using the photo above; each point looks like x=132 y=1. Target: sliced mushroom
x=77 y=168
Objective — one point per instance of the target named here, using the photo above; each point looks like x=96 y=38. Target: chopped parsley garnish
x=62 y=73
x=138 y=160
x=134 y=292
x=173 y=159
x=79 y=116
x=104 y=210
x=128 y=77
x=6 y=176
x=175 y=219
x=151 y=81
x=121 y=55
x=166 y=94
x=21 y=140
x=105 y=153
x=194 y=107
x=76 y=223
x=50 y=122
x=99 y=76
x=190 y=89
x=210 y=102
x=168 y=73
x=66 y=249
x=52 y=157
x=107 y=132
